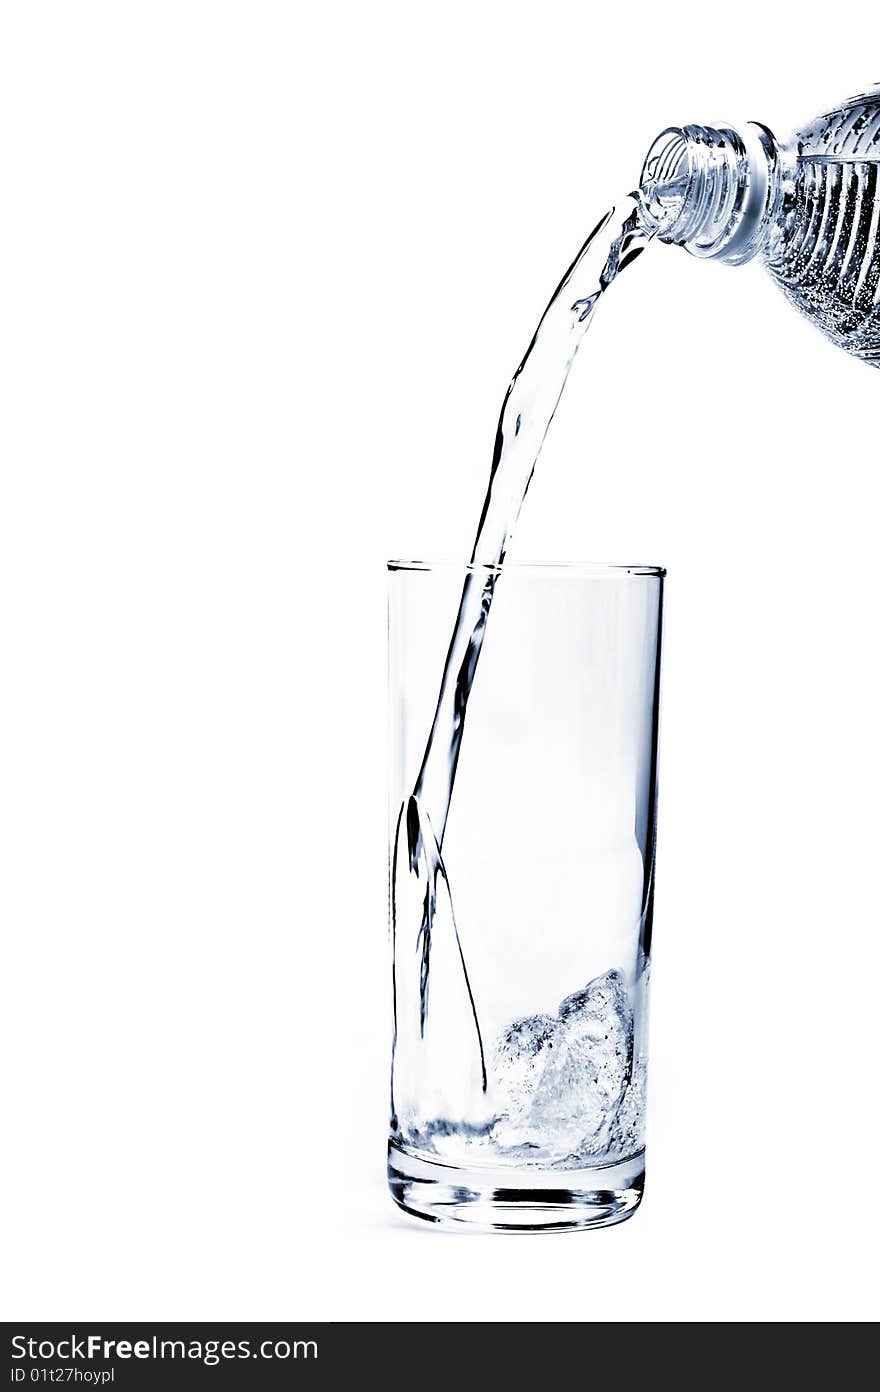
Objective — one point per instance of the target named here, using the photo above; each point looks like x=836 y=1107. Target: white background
x=266 y=270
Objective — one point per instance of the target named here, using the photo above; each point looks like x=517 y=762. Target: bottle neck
x=714 y=190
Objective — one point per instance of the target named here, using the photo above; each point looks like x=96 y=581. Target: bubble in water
x=563 y=1082
x=520 y=1058
x=628 y=1131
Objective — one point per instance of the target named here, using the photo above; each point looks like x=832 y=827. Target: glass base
x=515 y=1200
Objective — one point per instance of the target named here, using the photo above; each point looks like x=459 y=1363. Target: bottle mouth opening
x=708 y=188
x=666 y=180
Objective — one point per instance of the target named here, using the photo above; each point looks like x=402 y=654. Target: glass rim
x=588 y=570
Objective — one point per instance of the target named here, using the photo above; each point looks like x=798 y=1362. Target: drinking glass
x=522 y=944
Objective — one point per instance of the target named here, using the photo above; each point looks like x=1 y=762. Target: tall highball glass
x=521 y=937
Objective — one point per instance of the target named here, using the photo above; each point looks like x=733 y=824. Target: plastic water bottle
x=809 y=208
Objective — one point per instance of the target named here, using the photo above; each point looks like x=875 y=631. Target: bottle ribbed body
x=824 y=247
